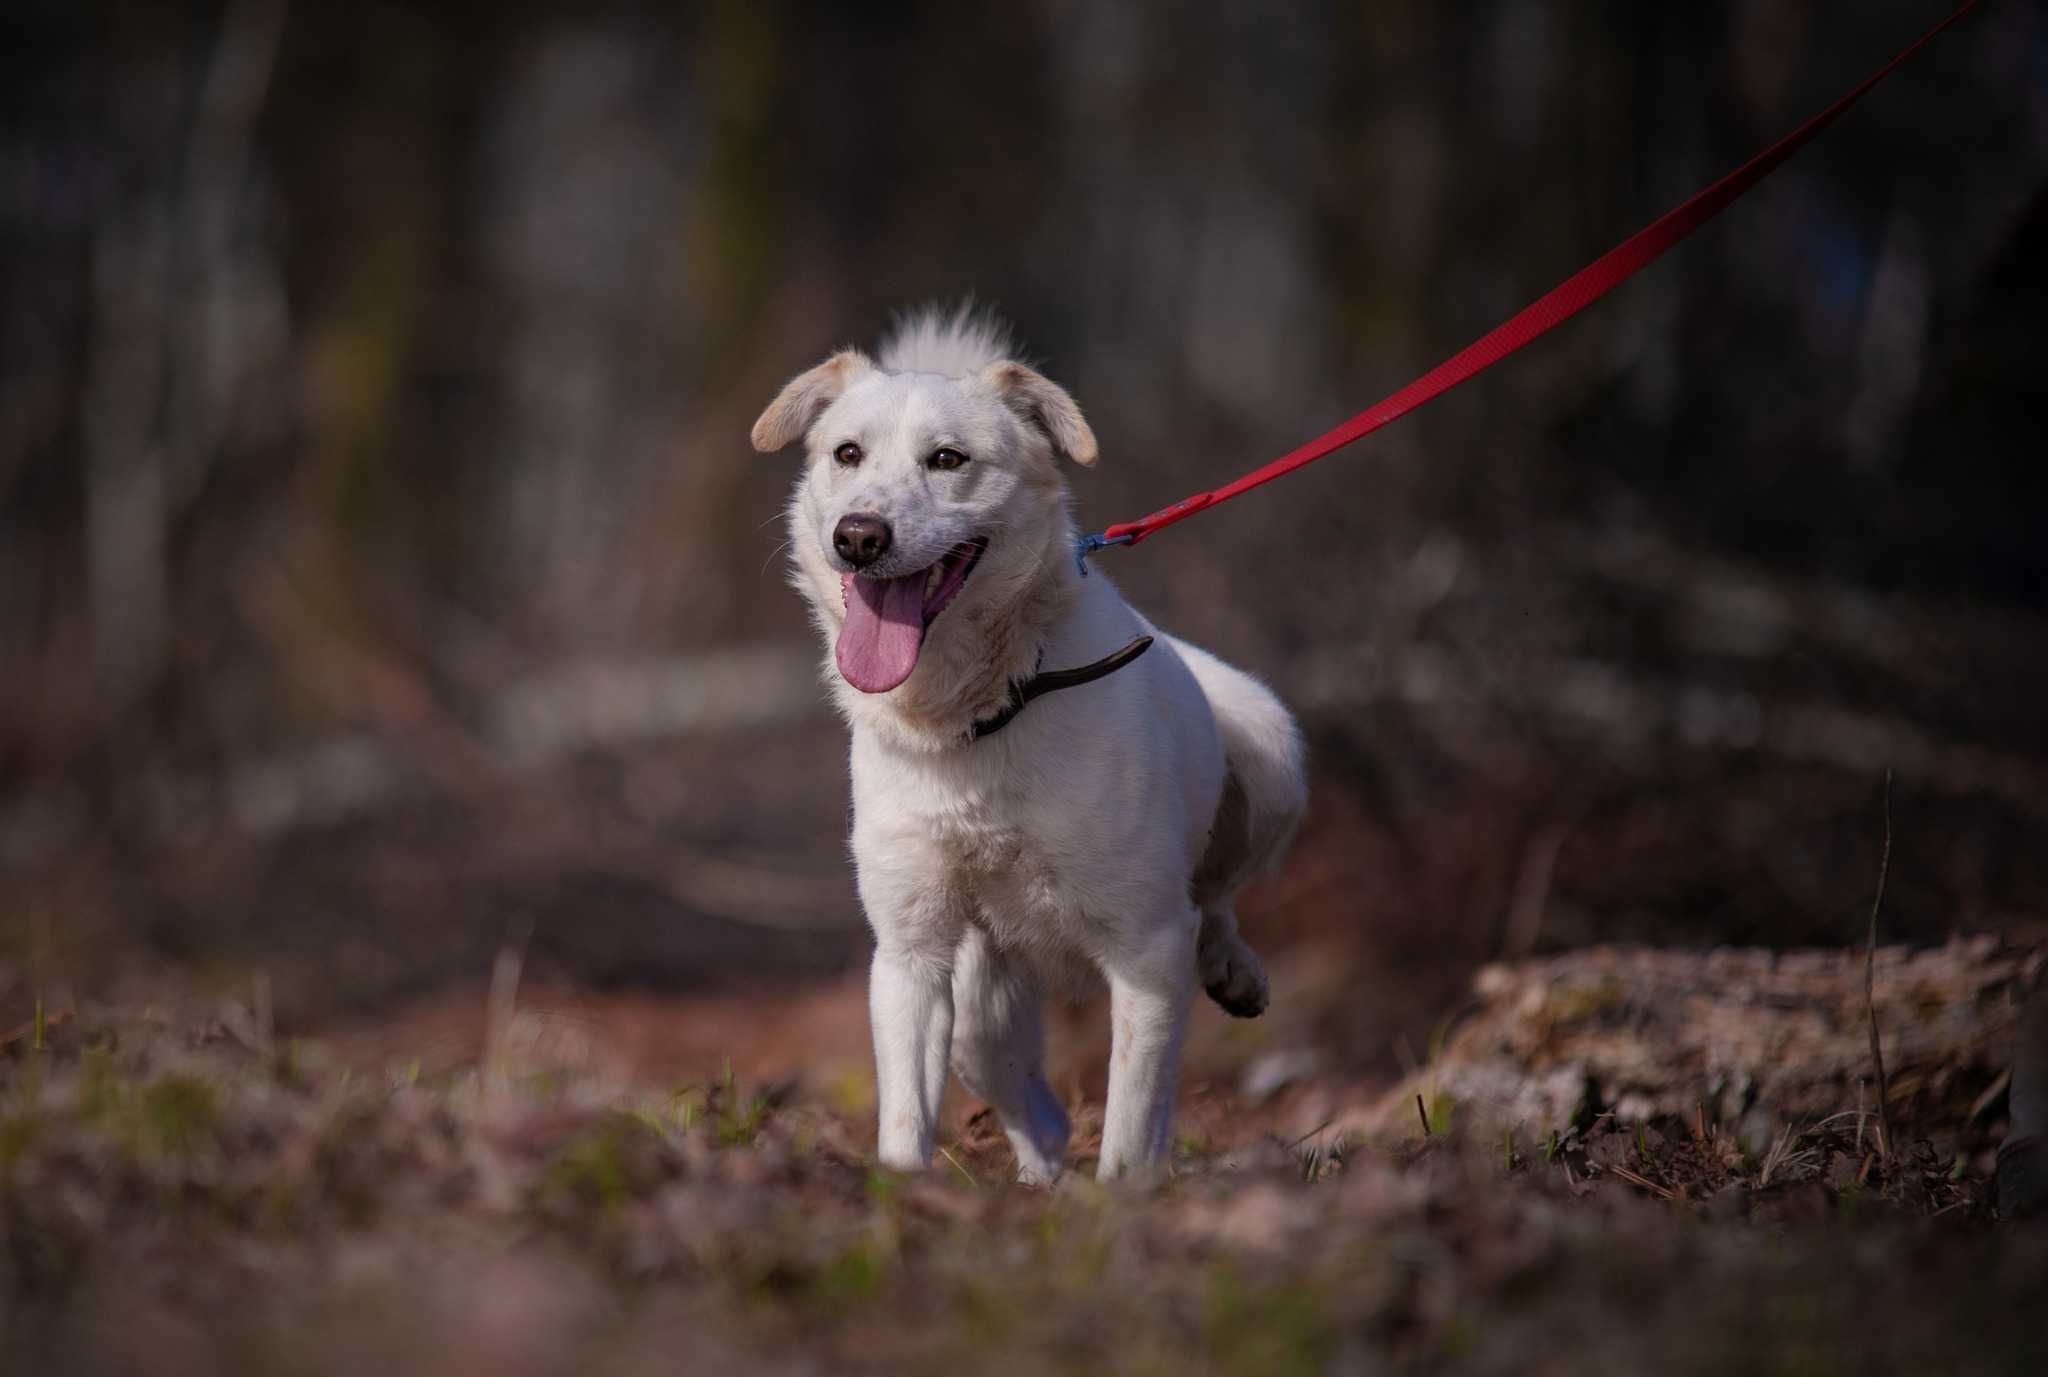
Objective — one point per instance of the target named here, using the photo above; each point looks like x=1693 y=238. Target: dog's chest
x=983 y=840
x=1015 y=879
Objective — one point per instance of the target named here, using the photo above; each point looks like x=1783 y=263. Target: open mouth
x=886 y=618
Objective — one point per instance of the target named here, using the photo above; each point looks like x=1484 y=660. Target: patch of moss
x=177 y=1115
x=738 y=1118
x=1270 y=1330
x=18 y=1132
x=173 y=1116
x=851 y=1279
x=593 y=1169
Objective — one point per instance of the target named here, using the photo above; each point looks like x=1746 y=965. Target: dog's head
x=931 y=482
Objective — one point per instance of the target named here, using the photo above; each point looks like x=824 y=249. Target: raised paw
x=1234 y=978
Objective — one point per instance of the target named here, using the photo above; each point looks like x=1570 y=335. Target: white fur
x=930 y=341
x=1106 y=829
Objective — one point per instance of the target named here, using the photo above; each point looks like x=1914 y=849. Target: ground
x=182 y=1190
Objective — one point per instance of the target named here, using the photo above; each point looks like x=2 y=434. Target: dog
x=1008 y=839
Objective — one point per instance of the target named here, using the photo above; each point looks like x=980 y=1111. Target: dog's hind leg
x=999 y=1053
x=1264 y=793
x=1229 y=969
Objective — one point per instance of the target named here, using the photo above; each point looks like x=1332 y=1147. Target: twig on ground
x=1424 y=1113
x=1884 y=865
x=1314 y=1131
x=1982 y=1104
x=1638 y=1179
x=948 y=1155
x=36 y=1031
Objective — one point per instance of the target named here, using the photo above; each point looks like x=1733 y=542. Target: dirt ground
x=549 y=1181
x=427 y=943
x=564 y=1068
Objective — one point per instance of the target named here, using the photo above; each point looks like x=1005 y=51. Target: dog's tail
x=1265 y=786
x=932 y=339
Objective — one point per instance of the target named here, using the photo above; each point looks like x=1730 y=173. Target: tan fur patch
x=804 y=396
x=1045 y=405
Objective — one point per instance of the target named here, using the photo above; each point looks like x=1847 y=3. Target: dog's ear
x=807 y=394
x=1043 y=403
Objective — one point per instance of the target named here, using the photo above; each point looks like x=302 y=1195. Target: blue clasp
x=1089 y=544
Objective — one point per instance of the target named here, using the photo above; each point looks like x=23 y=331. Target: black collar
x=1023 y=691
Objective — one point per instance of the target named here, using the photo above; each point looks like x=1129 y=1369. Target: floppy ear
x=807 y=394
x=1043 y=403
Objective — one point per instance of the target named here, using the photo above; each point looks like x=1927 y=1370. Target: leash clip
x=1089 y=544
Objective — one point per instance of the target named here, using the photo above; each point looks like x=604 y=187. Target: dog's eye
x=848 y=454
x=947 y=458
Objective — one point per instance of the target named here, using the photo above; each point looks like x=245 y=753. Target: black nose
x=861 y=538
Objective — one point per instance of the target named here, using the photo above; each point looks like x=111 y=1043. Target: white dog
x=1003 y=848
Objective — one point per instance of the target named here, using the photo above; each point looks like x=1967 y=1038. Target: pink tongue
x=884 y=627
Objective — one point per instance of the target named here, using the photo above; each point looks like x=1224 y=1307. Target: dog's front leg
x=1149 y=990
x=910 y=1005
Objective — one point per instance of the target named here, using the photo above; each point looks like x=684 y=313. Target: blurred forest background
x=385 y=575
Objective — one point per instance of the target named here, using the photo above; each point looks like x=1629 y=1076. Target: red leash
x=1547 y=312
